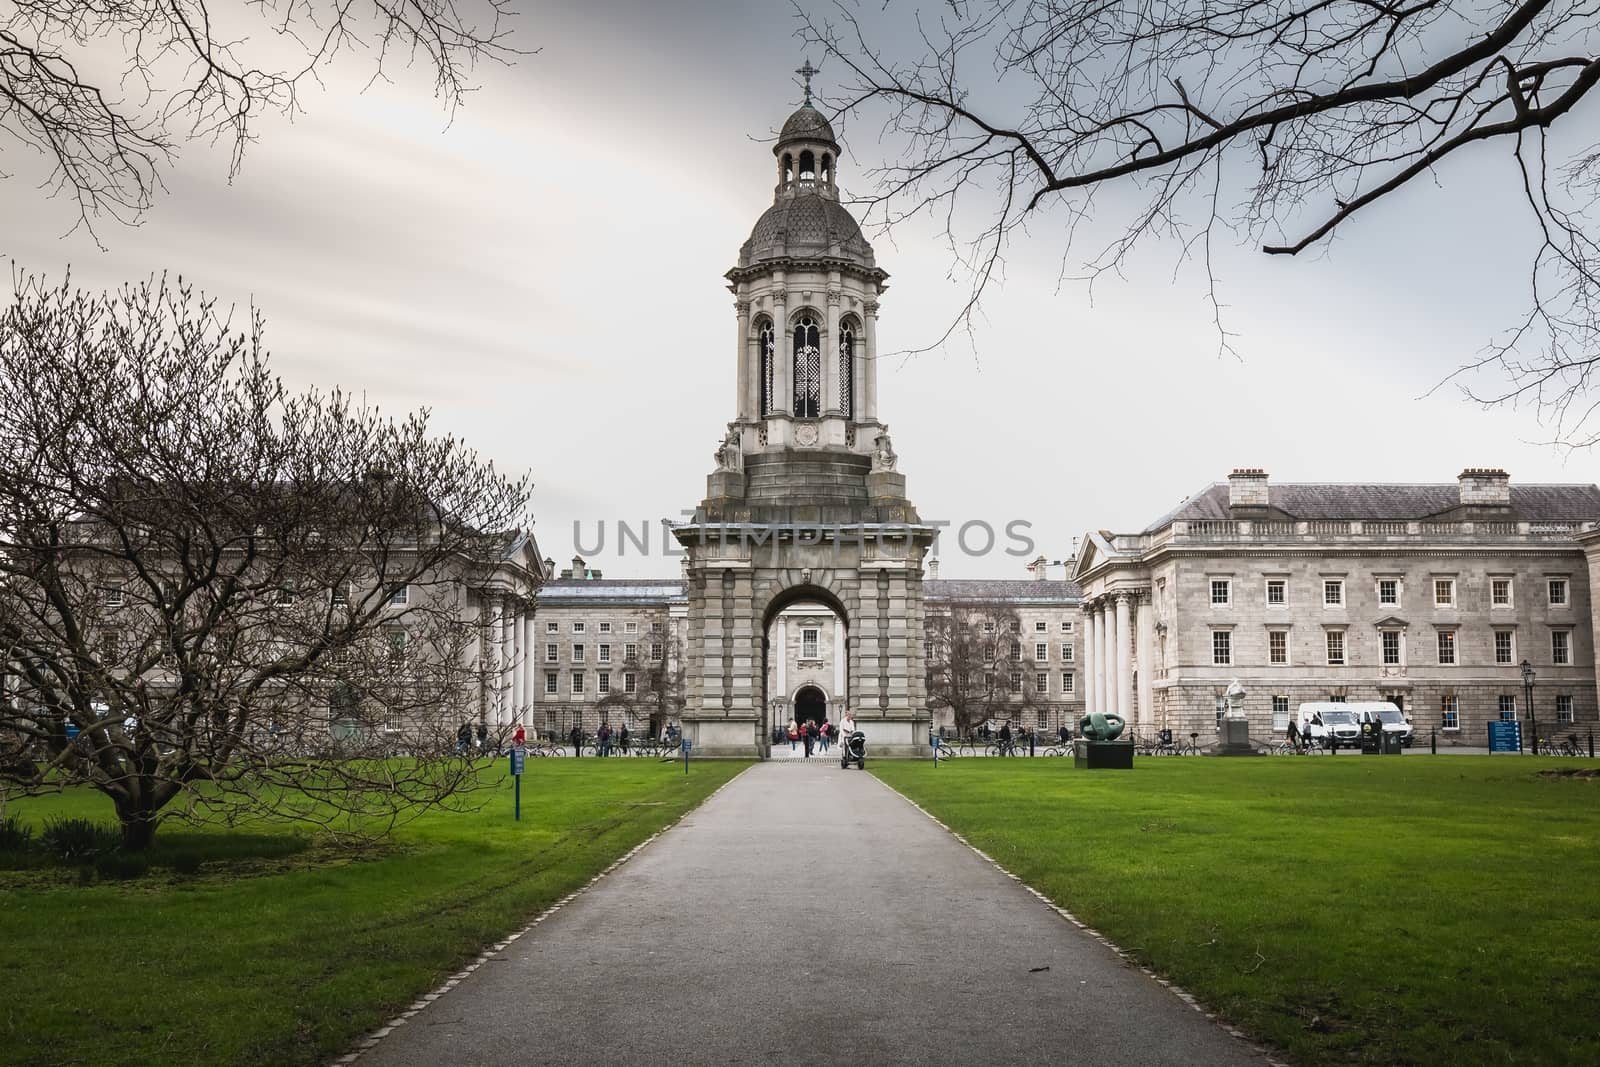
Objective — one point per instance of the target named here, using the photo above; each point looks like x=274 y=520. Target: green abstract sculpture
x=1102 y=726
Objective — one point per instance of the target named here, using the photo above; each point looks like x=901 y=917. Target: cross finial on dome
x=806 y=72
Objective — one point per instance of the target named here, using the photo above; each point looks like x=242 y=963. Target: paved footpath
x=799 y=917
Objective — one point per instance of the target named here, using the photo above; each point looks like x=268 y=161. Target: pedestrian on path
x=483 y=739
x=602 y=738
x=810 y=736
x=463 y=739
x=847 y=724
x=794 y=734
x=576 y=737
x=822 y=734
x=519 y=736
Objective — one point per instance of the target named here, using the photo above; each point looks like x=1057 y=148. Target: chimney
x=1072 y=559
x=1247 y=489
x=578 y=568
x=549 y=565
x=1485 y=487
x=1039 y=568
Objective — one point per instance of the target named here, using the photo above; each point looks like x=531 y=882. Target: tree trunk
x=138 y=827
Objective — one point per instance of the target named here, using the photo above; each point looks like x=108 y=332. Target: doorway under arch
x=810 y=705
x=805 y=659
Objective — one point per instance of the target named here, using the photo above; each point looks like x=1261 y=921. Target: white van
x=1387 y=716
x=1334 y=724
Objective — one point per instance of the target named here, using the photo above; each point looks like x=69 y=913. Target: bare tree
x=978 y=666
x=1274 y=120
x=105 y=91
x=657 y=668
x=217 y=598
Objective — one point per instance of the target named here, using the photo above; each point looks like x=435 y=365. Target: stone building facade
x=1428 y=596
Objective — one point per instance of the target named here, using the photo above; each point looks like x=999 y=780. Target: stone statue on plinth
x=1235 y=725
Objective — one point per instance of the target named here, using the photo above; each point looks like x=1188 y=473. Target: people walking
x=794 y=734
x=810 y=737
x=576 y=737
x=483 y=739
x=519 y=736
x=1294 y=735
x=622 y=738
x=1005 y=738
x=463 y=739
x=822 y=734
x=602 y=738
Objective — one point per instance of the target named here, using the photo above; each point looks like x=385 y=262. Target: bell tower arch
x=806 y=493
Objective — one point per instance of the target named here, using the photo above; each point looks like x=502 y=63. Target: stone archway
x=810 y=705
x=783 y=676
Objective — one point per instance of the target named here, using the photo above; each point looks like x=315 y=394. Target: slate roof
x=806 y=225
x=1314 y=501
x=590 y=590
x=996 y=589
x=807 y=124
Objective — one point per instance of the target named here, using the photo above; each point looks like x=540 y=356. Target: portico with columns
x=1119 y=639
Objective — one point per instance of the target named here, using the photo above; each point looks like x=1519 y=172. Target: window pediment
x=1393 y=622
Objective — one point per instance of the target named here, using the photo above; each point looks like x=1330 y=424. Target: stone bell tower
x=806 y=502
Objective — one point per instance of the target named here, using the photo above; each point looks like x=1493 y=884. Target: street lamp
x=1527 y=689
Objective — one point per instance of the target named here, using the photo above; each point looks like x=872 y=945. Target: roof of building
x=1314 y=501
x=999 y=589
x=806 y=225
x=808 y=124
x=591 y=590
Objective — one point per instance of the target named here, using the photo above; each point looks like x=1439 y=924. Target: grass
x=283 y=951
x=1346 y=910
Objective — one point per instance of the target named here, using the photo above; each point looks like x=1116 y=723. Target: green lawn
x=287 y=951
x=1347 y=910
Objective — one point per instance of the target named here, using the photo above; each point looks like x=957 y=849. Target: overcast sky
x=546 y=275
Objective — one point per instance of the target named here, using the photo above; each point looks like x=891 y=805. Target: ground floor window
x=1280 y=714
x=1508 y=708
x=1221 y=710
x=550 y=722
x=1450 y=713
x=1044 y=718
x=1563 y=709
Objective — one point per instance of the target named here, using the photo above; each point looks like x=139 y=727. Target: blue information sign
x=1505 y=736
x=519 y=756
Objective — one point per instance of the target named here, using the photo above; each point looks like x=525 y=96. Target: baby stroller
x=854 y=750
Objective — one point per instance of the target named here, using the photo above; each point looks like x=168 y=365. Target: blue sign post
x=519 y=758
x=1505 y=736
x=687 y=745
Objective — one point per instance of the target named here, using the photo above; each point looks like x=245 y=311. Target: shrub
x=14 y=837
x=77 y=839
x=121 y=866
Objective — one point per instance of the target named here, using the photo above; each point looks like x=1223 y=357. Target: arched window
x=847 y=367
x=767 y=345
x=808 y=166
x=807 y=368
x=827 y=169
x=788 y=168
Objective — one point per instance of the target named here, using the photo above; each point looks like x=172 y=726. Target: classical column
x=493 y=650
x=840 y=653
x=1104 y=676
x=1086 y=668
x=1124 y=701
x=869 y=380
x=830 y=354
x=780 y=649
x=745 y=348
x=519 y=652
x=508 y=660
x=783 y=354
x=1147 y=654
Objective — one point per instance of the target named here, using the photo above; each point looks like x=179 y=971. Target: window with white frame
x=1388 y=590
x=1278 y=647
x=1280 y=714
x=1500 y=592
x=110 y=645
x=1043 y=718
x=552 y=653
x=1016 y=681
x=552 y=682
x=605 y=627
x=1505 y=647
x=808 y=643
x=1333 y=592
x=1277 y=592
x=655 y=627
x=630 y=682
x=1066 y=683
x=400 y=597
x=605 y=653
x=630 y=651
x=1016 y=651
x=1066 y=627
x=1041 y=682
x=113 y=595
x=602 y=680
x=655 y=653
x=577 y=683
x=577 y=653
x=1335 y=648
x=630 y=627
x=1391 y=647
x=1558 y=592
x=1066 y=652
x=1041 y=650
x=1450 y=712
x=1444 y=592
x=577 y=627
x=1336 y=698
x=1039 y=627
x=927 y=649
x=1508 y=708
x=552 y=627
x=1563 y=709
x=988 y=654
x=1221 y=590
x=1221 y=647
x=988 y=626
x=1447 y=647
x=1220 y=706
x=1561 y=647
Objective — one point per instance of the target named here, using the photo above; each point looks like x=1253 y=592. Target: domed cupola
x=806 y=220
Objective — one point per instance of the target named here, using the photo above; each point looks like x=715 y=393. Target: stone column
x=780 y=649
x=529 y=688
x=1103 y=675
x=508 y=661
x=1146 y=652
x=783 y=356
x=745 y=350
x=493 y=659
x=841 y=695
x=518 y=645
x=1124 y=701
x=1086 y=668
x=869 y=380
x=830 y=352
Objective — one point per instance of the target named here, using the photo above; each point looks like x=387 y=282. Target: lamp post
x=1527 y=689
